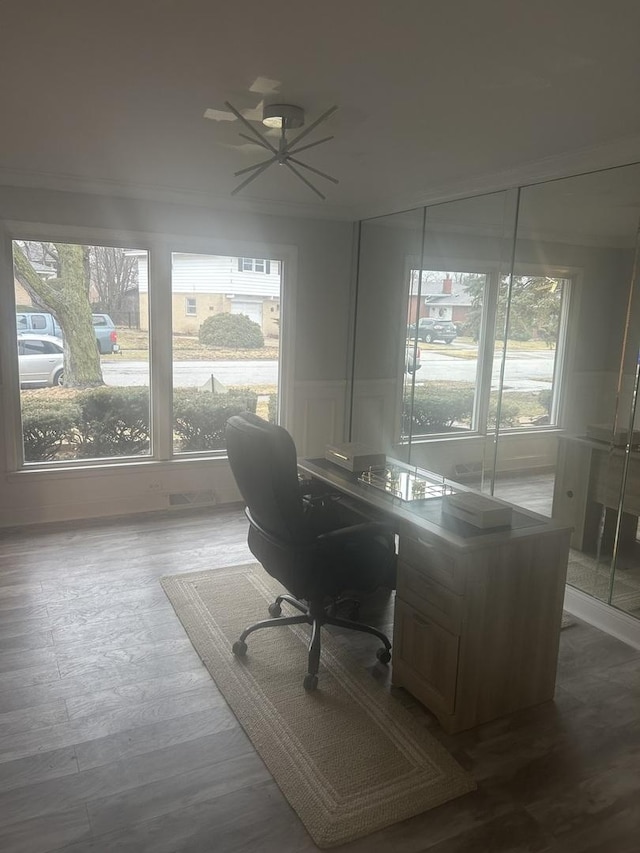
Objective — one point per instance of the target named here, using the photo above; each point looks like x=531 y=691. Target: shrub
x=546 y=398
x=509 y=413
x=199 y=417
x=236 y=331
x=273 y=409
x=437 y=408
x=112 y=422
x=46 y=426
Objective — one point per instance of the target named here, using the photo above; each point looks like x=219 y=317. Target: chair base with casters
x=315 y=613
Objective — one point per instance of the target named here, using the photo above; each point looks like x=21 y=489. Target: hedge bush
x=112 y=422
x=437 y=408
x=200 y=417
x=236 y=331
x=106 y=422
x=273 y=409
x=46 y=427
x=546 y=398
x=509 y=413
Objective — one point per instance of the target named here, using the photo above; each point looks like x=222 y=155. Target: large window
x=83 y=359
x=89 y=390
x=225 y=357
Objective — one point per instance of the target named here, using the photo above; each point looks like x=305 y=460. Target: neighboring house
x=203 y=285
x=443 y=298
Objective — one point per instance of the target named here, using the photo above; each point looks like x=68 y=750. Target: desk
x=477 y=612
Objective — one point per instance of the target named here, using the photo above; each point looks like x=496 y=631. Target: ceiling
x=435 y=98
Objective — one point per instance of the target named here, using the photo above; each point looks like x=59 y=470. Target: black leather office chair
x=296 y=540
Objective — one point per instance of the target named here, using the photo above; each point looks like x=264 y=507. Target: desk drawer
x=430 y=598
x=429 y=558
x=425 y=659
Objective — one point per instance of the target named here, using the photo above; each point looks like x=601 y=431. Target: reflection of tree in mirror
x=57 y=277
x=534 y=312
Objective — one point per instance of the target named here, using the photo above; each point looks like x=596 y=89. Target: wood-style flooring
x=113 y=737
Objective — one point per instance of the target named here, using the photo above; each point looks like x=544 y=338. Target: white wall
x=318 y=333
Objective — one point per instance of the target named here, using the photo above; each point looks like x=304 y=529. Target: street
x=525 y=371
x=194 y=373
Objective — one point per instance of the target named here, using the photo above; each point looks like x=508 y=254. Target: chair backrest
x=264 y=463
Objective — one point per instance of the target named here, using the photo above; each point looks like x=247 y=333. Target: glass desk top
x=388 y=493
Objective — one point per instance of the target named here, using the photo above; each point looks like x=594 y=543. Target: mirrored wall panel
x=497 y=342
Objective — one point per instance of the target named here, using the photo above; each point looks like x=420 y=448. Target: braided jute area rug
x=348 y=757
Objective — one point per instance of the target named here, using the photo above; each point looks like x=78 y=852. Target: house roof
x=434 y=99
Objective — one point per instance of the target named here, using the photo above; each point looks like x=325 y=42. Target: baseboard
x=615 y=622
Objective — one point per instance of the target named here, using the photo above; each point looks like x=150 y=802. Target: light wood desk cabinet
x=476 y=631
x=477 y=613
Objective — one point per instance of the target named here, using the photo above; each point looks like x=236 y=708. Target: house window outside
x=461 y=383
x=260 y=265
x=190 y=306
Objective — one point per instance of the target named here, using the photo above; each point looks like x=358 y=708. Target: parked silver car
x=41 y=360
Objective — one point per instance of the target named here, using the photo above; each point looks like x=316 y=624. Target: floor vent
x=192 y=498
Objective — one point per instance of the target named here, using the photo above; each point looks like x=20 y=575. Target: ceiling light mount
x=282 y=115
x=283 y=152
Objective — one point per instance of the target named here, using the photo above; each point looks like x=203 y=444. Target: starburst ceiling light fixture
x=283 y=117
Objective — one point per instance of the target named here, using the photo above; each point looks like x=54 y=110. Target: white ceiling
x=435 y=97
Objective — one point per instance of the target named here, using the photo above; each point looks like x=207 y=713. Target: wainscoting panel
x=375 y=414
x=318 y=416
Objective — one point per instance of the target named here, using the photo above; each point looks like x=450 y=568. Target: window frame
x=190 y=302
x=160 y=247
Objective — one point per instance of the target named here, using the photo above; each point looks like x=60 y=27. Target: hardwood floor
x=113 y=737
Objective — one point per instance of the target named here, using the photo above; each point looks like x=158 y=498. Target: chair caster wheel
x=275 y=609
x=383 y=655
x=310 y=682
x=239 y=648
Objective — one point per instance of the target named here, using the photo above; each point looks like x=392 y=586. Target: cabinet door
x=425 y=658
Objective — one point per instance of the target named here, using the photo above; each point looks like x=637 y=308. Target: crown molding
x=621 y=152
x=170 y=195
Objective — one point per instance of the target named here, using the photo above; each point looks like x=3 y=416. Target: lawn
x=467 y=348
x=134 y=346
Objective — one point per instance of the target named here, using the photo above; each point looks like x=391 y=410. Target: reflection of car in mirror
x=430 y=329
x=40 y=360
